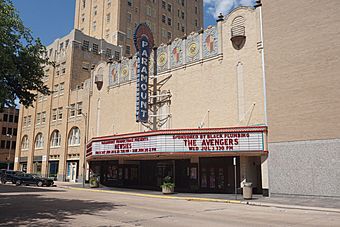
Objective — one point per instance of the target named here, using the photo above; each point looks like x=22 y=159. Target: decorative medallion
x=162 y=59
x=193 y=48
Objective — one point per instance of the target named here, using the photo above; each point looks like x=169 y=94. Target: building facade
x=51 y=133
x=9 y=128
x=206 y=107
x=116 y=20
x=302 y=67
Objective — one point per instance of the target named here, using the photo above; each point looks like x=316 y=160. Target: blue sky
x=51 y=19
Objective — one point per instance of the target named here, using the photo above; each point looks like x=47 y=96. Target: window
x=11 y=118
x=182 y=15
x=38 y=118
x=25 y=121
x=5 y=117
x=79 y=108
x=86 y=45
x=4 y=131
x=15 y=131
x=163 y=18
x=29 y=120
x=108 y=17
x=9 y=131
x=129 y=17
x=43 y=117
x=84 y=3
x=196 y=10
x=74 y=136
x=108 y=3
x=183 y=29
x=117 y=55
x=24 y=142
x=56 y=90
x=61 y=46
x=60 y=113
x=95 y=48
x=148 y=11
x=72 y=110
x=54 y=114
x=8 y=144
x=163 y=4
x=3 y=144
x=94 y=25
x=169 y=21
x=39 y=141
x=182 y=2
x=61 y=88
x=169 y=35
x=108 y=52
x=66 y=43
x=95 y=10
x=169 y=7
x=129 y=2
x=196 y=22
x=55 y=139
x=63 y=70
x=127 y=50
x=13 y=145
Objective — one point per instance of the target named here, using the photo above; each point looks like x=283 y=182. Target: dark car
x=28 y=179
x=8 y=176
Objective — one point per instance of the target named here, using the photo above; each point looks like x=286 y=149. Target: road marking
x=159 y=196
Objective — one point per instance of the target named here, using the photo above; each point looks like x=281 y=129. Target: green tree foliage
x=21 y=60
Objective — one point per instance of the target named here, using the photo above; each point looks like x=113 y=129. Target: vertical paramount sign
x=144 y=42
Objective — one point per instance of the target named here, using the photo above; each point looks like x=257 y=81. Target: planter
x=94 y=182
x=169 y=189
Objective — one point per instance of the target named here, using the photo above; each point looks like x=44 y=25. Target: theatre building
x=206 y=125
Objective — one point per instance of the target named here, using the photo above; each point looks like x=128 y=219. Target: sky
x=52 y=19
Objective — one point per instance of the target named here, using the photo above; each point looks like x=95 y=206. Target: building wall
x=115 y=20
x=9 y=126
x=301 y=42
x=73 y=63
x=198 y=85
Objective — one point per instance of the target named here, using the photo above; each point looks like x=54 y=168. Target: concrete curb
x=249 y=203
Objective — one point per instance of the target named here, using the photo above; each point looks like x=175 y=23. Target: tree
x=22 y=60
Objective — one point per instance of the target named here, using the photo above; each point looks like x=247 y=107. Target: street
x=33 y=206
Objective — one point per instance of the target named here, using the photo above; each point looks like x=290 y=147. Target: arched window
x=39 y=141
x=55 y=139
x=238 y=32
x=74 y=136
x=24 y=142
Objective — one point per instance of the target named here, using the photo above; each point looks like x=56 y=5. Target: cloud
x=215 y=7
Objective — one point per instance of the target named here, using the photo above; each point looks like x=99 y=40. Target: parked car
x=8 y=176
x=29 y=179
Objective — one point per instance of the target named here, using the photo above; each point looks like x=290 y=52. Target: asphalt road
x=33 y=206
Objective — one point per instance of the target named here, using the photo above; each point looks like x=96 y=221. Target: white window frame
x=39 y=141
x=74 y=137
x=55 y=139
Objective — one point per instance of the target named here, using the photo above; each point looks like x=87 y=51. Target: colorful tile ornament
x=210 y=42
x=176 y=54
x=124 y=71
x=192 y=48
x=133 y=67
x=113 y=74
x=162 y=59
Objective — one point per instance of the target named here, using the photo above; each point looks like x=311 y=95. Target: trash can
x=247 y=190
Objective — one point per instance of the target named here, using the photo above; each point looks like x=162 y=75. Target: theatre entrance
x=217 y=174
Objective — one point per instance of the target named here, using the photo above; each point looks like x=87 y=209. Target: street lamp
x=9 y=151
x=85 y=135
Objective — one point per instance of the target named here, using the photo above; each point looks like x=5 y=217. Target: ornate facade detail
x=210 y=42
x=162 y=59
x=193 y=48
x=114 y=74
x=177 y=47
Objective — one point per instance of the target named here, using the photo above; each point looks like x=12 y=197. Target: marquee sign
x=216 y=142
x=143 y=40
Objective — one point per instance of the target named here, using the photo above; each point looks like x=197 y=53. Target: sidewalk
x=327 y=204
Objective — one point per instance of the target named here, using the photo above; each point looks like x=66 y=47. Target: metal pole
x=234 y=162
x=84 y=158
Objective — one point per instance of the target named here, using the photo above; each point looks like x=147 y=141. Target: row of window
x=27 y=120
x=5 y=144
x=9 y=131
x=62 y=45
x=10 y=118
x=55 y=141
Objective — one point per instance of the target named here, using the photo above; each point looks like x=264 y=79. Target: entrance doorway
x=72 y=171
x=217 y=174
